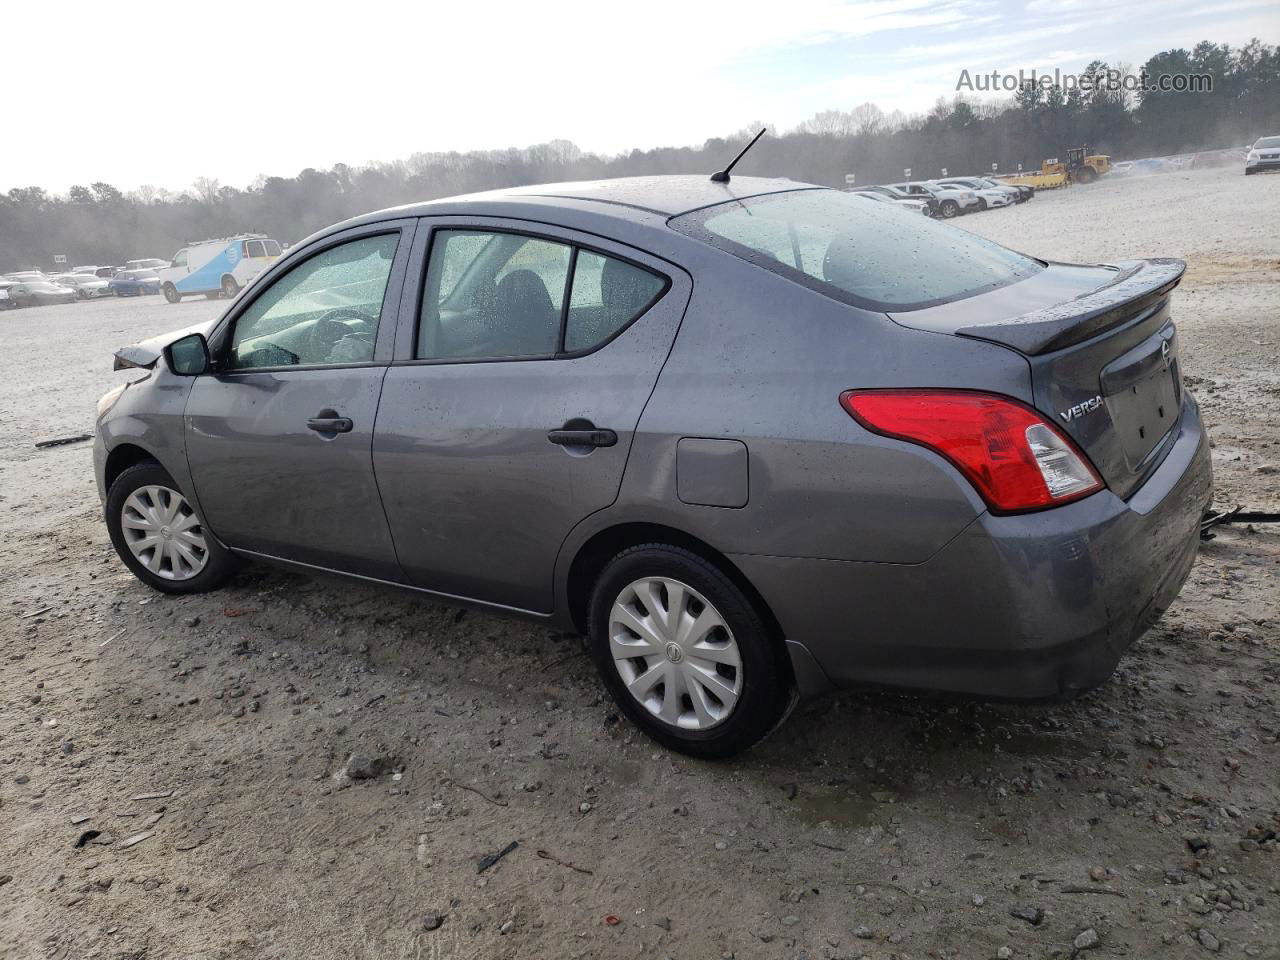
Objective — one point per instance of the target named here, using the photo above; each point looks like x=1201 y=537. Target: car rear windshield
x=873 y=255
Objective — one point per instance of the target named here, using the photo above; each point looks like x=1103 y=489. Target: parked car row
x=212 y=268
x=31 y=288
x=950 y=197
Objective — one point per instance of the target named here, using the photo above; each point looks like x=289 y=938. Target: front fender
x=149 y=416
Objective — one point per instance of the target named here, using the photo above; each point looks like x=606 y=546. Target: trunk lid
x=1103 y=353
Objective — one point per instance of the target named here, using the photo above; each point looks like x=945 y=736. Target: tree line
x=100 y=224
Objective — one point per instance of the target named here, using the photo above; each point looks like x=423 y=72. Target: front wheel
x=229 y=287
x=982 y=205
x=171 y=293
x=685 y=654
x=949 y=209
x=160 y=537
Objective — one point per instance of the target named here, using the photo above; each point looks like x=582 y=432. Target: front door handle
x=330 y=424
x=591 y=437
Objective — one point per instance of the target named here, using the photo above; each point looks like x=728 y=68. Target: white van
x=217 y=267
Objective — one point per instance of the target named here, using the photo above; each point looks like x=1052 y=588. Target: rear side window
x=607 y=295
x=257 y=248
x=872 y=255
x=494 y=295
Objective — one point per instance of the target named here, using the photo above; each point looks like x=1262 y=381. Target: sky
x=162 y=94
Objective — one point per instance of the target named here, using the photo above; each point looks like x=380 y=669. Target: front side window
x=872 y=255
x=323 y=311
x=180 y=259
x=256 y=249
x=503 y=295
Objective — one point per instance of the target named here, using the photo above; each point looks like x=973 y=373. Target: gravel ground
x=170 y=768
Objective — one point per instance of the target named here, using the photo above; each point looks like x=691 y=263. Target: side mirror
x=188 y=357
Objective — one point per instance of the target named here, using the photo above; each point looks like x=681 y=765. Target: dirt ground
x=1138 y=821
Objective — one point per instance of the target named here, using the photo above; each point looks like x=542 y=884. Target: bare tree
x=868 y=120
x=206 y=189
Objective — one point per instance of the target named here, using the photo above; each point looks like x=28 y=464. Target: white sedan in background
x=951 y=201
x=988 y=197
x=86 y=285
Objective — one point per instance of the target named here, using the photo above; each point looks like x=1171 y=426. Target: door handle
x=592 y=437
x=330 y=424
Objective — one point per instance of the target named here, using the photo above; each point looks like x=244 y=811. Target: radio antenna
x=723 y=175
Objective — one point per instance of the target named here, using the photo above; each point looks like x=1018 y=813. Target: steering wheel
x=332 y=326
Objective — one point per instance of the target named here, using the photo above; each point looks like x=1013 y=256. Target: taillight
x=1015 y=459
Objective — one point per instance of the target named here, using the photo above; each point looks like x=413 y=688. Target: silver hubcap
x=164 y=533
x=675 y=653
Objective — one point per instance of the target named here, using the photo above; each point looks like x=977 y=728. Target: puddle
x=847 y=809
x=1017 y=741
x=1028 y=743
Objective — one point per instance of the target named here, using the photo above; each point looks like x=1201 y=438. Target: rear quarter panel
x=762 y=360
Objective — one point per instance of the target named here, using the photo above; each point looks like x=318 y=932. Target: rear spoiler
x=1141 y=284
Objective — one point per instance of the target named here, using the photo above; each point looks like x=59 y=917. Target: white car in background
x=989 y=197
x=146 y=263
x=895 y=196
x=1263 y=155
x=951 y=201
x=86 y=285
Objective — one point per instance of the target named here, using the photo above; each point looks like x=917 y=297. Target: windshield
x=873 y=255
x=1266 y=143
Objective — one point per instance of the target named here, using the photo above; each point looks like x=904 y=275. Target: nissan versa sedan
x=757 y=440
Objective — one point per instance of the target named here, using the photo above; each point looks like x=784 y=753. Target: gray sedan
x=756 y=440
x=35 y=293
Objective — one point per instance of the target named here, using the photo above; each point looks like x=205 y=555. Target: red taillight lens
x=1014 y=458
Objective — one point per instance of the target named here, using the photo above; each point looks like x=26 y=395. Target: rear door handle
x=583 y=438
x=330 y=424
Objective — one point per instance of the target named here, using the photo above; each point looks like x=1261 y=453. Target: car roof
x=666 y=196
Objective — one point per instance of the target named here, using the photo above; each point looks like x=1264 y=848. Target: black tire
x=219 y=565
x=949 y=209
x=1086 y=175
x=171 y=293
x=1249 y=173
x=982 y=205
x=229 y=287
x=766 y=673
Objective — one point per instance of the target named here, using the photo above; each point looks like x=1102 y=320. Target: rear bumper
x=1036 y=606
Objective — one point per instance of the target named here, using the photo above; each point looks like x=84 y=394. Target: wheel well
x=122 y=458
x=606 y=544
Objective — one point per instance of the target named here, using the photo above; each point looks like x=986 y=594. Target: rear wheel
x=684 y=652
x=159 y=536
x=171 y=293
x=1086 y=175
x=229 y=287
x=949 y=209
